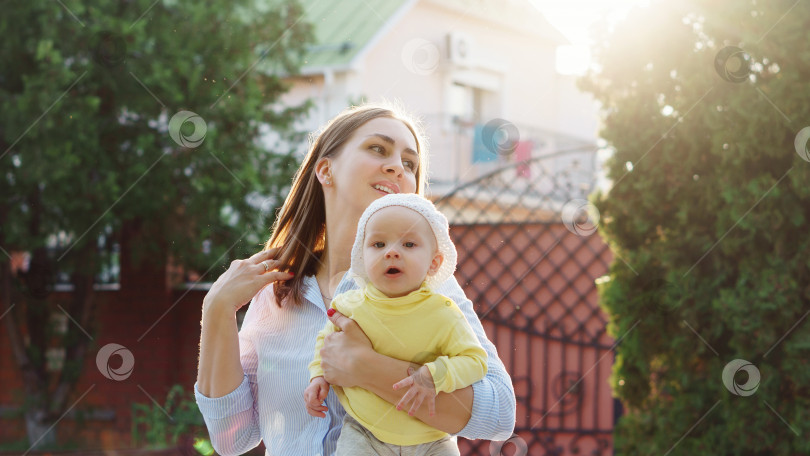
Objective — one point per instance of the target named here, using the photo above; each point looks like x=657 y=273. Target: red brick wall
x=164 y=355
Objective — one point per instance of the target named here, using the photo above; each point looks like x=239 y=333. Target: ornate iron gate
x=531 y=278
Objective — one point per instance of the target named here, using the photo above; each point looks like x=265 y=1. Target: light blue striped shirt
x=276 y=345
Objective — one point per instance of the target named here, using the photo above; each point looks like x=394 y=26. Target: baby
x=402 y=251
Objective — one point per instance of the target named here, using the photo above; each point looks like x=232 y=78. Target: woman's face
x=379 y=158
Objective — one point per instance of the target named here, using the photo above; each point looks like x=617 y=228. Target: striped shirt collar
x=312 y=291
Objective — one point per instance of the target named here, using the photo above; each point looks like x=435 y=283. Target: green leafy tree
x=138 y=121
x=705 y=103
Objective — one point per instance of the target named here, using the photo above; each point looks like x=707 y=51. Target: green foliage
x=21 y=445
x=88 y=91
x=177 y=421
x=162 y=426
x=709 y=206
x=108 y=83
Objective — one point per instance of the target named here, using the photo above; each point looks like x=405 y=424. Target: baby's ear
x=435 y=264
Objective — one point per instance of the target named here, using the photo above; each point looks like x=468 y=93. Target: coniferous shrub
x=705 y=105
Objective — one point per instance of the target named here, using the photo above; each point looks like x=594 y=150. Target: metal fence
x=530 y=275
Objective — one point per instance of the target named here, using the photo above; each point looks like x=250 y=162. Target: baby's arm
x=318 y=388
x=314 y=396
x=463 y=362
x=422 y=389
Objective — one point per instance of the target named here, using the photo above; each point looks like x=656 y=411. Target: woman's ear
x=323 y=170
x=438 y=259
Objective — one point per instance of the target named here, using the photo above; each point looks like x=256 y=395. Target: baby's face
x=399 y=250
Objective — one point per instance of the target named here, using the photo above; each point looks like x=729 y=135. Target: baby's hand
x=422 y=388
x=314 y=396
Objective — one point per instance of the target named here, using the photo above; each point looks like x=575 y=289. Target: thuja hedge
x=704 y=110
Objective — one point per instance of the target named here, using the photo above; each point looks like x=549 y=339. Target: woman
x=249 y=383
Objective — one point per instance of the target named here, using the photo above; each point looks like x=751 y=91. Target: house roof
x=344 y=28
x=518 y=15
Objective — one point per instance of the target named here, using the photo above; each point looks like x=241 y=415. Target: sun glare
x=573 y=18
x=573 y=58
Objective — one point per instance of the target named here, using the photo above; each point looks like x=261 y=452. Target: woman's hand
x=220 y=371
x=243 y=280
x=344 y=353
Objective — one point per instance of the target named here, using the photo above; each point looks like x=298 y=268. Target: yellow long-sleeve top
x=423 y=328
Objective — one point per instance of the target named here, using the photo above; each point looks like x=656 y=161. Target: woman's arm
x=486 y=410
x=219 y=371
x=226 y=380
x=494 y=405
x=227 y=408
x=453 y=410
x=355 y=363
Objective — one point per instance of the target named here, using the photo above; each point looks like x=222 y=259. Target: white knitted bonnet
x=436 y=220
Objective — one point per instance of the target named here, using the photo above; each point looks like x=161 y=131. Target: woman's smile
x=386 y=187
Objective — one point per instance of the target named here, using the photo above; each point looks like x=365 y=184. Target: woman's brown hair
x=300 y=228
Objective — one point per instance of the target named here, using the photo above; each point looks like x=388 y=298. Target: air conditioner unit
x=459 y=48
